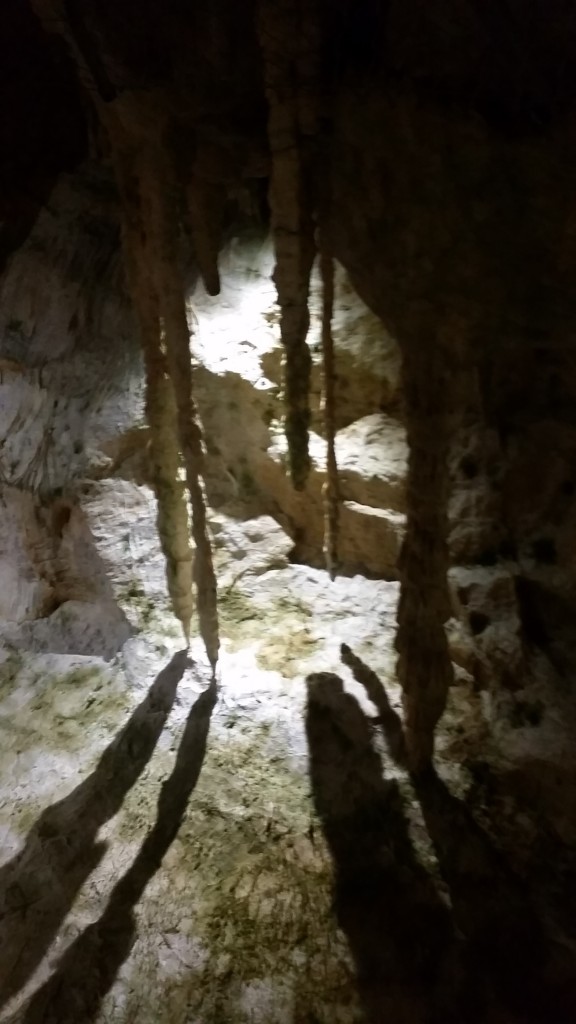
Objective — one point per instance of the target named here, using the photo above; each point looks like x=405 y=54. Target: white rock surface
x=372 y=455
x=238 y=353
x=238 y=332
x=97 y=629
x=244 y=850
x=240 y=908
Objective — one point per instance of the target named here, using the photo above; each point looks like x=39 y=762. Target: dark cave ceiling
x=511 y=63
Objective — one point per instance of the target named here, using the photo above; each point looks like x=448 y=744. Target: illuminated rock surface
x=216 y=902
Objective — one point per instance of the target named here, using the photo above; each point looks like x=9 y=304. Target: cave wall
x=456 y=229
x=71 y=399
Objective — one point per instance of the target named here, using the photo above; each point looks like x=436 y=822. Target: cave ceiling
x=509 y=66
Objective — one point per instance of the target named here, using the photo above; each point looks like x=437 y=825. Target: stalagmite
x=284 y=39
x=163 y=226
x=424 y=666
x=330 y=495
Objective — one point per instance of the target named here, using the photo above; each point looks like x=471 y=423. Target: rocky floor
x=173 y=852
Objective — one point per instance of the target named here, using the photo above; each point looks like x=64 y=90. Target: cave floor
x=175 y=853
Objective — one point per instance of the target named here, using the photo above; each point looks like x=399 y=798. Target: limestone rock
x=24 y=592
x=238 y=377
x=122 y=520
x=251 y=547
x=70 y=373
x=76 y=627
x=55 y=595
x=372 y=456
x=485 y=602
x=47 y=556
x=372 y=453
x=370 y=538
x=238 y=332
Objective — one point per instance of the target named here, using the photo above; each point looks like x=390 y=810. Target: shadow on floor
x=388 y=719
x=490 y=957
x=87 y=971
x=506 y=946
x=399 y=930
x=40 y=884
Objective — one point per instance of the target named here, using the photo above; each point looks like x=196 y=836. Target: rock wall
x=70 y=370
x=70 y=394
x=473 y=228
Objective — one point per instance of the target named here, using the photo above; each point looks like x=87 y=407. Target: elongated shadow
x=389 y=720
x=39 y=885
x=399 y=930
x=506 y=954
x=74 y=993
x=508 y=950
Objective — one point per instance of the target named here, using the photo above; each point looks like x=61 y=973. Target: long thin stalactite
x=163 y=405
x=205 y=202
x=331 y=490
x=158 y=186
x=291 y=123
x=161 y=413
x=424 y=665
x=166 y=338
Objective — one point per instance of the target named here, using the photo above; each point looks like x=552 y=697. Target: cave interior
x=288 y=492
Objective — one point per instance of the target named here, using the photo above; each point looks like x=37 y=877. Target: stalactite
x=172 y=516
x=285 y=39
x=424 y=666
x=331 y=496
x=172 y=512
x=163 y=225
x=205 y=206
x=171 y=361
x=161 y=405
x=143 y=115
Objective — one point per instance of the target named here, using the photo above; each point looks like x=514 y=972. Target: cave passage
x=287 y=576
